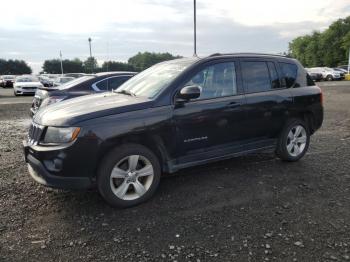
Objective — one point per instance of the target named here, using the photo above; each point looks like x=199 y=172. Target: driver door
x=208 y=124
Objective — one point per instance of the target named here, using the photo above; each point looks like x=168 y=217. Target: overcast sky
x=38 y=29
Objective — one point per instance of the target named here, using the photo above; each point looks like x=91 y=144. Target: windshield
x=75 y=82
x=153 y=80
x=26 y=79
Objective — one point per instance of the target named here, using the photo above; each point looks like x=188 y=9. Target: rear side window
x=309 y=81
x=289 y=74
x=111 y=83
x=255 y=76
x=275 y=81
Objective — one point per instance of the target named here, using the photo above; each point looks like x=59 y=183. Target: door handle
x=234 y=105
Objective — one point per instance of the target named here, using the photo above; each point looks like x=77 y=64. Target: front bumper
x=25 y=91
x=40 y=174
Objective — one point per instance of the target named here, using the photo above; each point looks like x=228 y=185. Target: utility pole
x=195 y=29
x=61 y=63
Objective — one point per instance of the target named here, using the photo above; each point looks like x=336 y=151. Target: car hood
x=72 y=111
x=21 y=84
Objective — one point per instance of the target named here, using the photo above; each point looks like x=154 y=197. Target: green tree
x=53 y=66
x=14 y=67
x=90 y=65
x=144 y=60
x=329 y=48
x=109 y=66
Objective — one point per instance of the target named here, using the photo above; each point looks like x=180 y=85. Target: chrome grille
x=35 y=133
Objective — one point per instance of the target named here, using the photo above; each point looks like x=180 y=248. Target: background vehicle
x=46 y=81
x=88 y=84
x=174 y=115
x=328 y=74
x=26 y=85
x=341 y=71
x=344 y=67
x=314 y=76
x=7 y=80
x=75 y=75
x=62 y=80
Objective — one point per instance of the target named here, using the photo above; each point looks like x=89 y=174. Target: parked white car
x=26 y=84
x=327 y=73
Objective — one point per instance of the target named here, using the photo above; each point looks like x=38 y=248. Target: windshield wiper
x=125 y=92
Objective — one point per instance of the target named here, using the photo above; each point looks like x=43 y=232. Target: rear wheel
x=293 y=141
x=128 y=175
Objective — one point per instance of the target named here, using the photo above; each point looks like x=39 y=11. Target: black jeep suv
x=174 y=115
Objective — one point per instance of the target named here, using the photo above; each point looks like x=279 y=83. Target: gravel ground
x=253 y=208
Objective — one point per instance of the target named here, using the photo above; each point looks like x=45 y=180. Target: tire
x=128 y=176
x=294 y=140
x=329 y=78
x=15 y=93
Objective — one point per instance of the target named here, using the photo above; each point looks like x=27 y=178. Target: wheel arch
x=151 y=142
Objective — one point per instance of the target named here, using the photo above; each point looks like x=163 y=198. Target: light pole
x=61 y=63
x=195 y=29
x=89 y=39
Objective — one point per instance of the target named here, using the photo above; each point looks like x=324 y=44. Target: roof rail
x=260 y=54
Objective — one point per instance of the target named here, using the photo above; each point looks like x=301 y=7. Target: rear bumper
x=41 y=175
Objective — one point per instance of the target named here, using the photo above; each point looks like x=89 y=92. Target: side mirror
x=189 y=92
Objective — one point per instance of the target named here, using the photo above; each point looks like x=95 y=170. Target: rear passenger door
x=268 y=98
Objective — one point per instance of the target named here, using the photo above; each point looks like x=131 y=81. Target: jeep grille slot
x=35 y=133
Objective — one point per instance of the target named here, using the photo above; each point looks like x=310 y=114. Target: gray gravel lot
x=253 y=208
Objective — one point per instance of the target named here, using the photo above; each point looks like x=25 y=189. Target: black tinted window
x=275 y=81
x=289 y=74
x=216 y=81
x=111 y=83
x=255 y=77
x=309 y=80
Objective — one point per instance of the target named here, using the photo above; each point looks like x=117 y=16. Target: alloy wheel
x=296 y=140
x=131 y=177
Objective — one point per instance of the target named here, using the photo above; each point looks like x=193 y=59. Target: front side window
x=217 y=80
x=289 y=74
x=255 y=76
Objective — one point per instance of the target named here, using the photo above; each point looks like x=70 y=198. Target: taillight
x=321 y=96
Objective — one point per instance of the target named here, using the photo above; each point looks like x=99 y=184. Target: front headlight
x=52 y=100
x=59 y=135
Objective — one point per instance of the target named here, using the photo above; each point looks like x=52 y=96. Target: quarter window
x=255 y=76
x=289 y=74
x=217 y=80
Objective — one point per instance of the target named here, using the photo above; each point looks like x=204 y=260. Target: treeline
x=14 y=67
x=327 y=48
x=138 y=62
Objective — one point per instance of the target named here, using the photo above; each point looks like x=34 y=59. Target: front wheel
x=329 y=78
x=293 y=141
x=128 y=175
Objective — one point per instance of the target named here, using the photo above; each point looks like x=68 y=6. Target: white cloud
x=79 y=16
